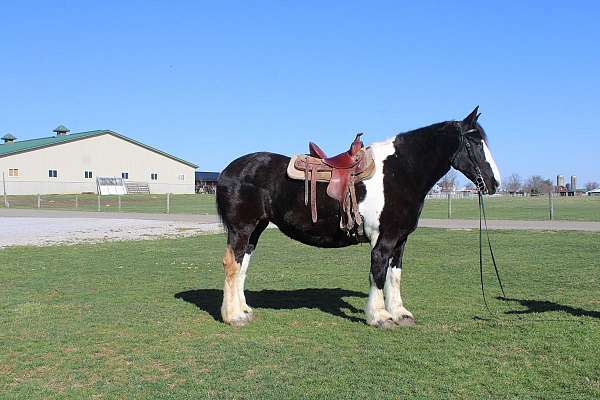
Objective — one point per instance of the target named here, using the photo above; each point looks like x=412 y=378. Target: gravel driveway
x=36 y=231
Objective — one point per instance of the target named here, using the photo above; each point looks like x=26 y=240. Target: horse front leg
x=376 y=312
x=391 y=289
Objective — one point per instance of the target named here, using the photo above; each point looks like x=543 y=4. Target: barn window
x=125 y=175
x=88 y=174
x=52 y=173
x=13 y=172
x=181 y=177
x=154 y=176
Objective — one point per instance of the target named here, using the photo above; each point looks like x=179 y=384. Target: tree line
x=534 y=184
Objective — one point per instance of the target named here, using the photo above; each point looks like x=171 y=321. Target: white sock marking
x=241 y=278
x=391 y=289
x=375 y=309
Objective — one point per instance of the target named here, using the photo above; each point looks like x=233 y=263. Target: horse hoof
x=243 y=319
x=238 y=322
x=406 y=321
x=386 y=324
x=249 y=316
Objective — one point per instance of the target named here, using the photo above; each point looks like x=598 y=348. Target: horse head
x=473 y=157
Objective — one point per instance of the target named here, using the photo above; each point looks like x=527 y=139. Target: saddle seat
x=342 y=172
x=346 y=159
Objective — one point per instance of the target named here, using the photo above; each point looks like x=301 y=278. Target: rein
x=481 y=189
x=482 y=218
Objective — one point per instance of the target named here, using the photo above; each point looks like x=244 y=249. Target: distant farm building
x=72 y=163
x=569 y=189
x=206 y=182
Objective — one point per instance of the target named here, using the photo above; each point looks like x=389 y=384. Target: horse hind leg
x=241 y=277
x=234 y=309
x=231 y=308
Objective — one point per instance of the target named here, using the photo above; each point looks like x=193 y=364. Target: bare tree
x=513 y=183
x=591 y=186
x=448 y=181
x=536 y=185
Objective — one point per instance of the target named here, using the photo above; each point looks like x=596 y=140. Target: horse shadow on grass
x=541 y=306
x=328 y=300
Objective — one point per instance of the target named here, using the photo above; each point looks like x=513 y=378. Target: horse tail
x=221 y=199
x=242 y=201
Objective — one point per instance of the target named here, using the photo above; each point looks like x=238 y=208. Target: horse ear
x=471 y=119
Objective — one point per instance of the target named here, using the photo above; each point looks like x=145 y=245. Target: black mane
x=442 y=126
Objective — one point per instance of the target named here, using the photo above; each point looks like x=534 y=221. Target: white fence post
x=98 y=202
x=168 y=203
x=4 y=186
x=39 y=201
x=550 y=206
x=76 y=201
x=449 y=206
x=119 y=203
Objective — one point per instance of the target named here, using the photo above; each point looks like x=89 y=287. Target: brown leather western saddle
x=342 y=172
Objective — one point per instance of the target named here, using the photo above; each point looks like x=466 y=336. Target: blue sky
x=209 y=81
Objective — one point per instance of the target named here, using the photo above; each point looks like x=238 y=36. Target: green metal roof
x=61 y=129
x=22 y=146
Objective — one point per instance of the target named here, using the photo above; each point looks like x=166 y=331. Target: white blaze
x=490 y=160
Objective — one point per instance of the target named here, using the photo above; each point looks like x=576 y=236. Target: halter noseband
x=464 y=142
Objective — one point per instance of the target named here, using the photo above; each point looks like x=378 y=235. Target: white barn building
x=71 y=163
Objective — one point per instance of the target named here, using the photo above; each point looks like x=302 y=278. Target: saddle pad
x=325 y=176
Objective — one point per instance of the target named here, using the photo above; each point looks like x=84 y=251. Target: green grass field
x=142 y=203
x=528 y=208
x=138 y=320
x=519 y=208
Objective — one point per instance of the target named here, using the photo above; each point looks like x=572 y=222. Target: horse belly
x=293 y=217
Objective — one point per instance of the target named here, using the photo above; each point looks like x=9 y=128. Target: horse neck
x=425 y=155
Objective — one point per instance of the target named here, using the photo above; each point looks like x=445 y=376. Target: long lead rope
x=482 y=224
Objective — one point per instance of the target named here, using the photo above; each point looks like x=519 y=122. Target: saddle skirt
x=342 y=178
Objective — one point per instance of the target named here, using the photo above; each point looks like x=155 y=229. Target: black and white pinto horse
x=254 y=190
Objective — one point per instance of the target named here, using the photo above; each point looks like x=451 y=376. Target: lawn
x=528 y=208
x=583 y=208
x=143 y=203
x=139 y=320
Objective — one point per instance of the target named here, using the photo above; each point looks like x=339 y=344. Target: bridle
x=464 y=143
x=481 y=190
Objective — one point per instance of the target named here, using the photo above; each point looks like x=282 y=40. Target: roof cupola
x=61 y=130
x=8 y=138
